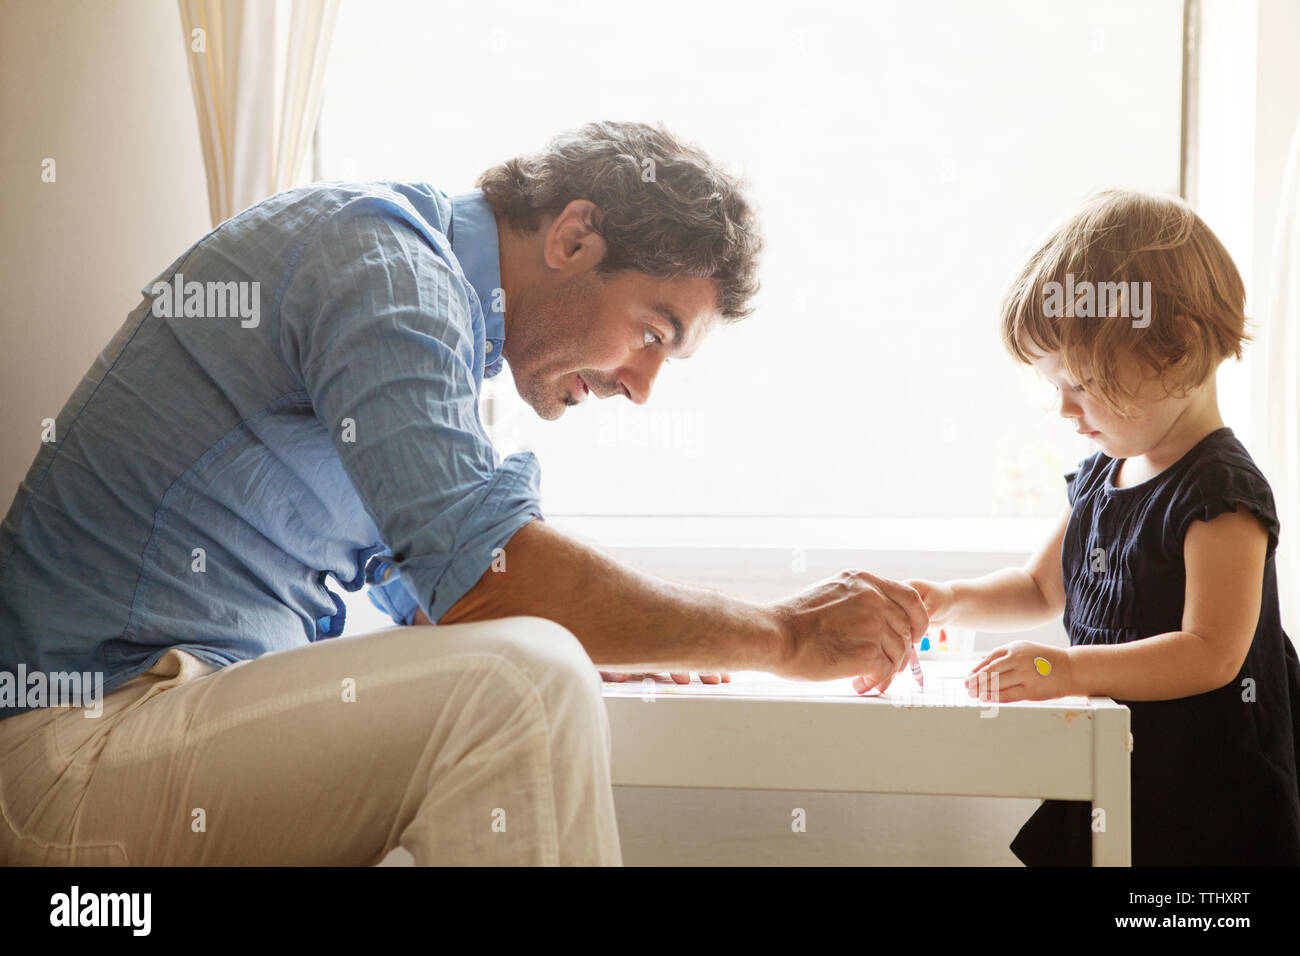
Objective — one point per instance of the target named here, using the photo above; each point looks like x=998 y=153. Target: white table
x=763 y=733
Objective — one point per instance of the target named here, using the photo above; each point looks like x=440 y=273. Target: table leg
x=1112 y=746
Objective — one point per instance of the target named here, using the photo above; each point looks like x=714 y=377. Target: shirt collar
x=475 y=243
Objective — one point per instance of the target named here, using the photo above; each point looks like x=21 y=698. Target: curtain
x=1281 y=444
x=257 y=89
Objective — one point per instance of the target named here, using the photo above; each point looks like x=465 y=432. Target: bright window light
x=903 y=156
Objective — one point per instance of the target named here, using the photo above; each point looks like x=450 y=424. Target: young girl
x=1163 y=563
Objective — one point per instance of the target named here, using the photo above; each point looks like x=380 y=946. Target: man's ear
x=572 y=242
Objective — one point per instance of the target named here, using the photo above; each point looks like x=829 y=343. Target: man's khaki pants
x=481 y=743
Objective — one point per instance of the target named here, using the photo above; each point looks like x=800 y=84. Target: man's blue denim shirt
x=224 y=456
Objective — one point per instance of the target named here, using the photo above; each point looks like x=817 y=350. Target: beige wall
x=102 y=88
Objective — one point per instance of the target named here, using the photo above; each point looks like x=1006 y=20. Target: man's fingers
x=678 y=677
x=896 y=639
x=864 y=685
x=909 y=601
x=897 y=620
x=904 y=617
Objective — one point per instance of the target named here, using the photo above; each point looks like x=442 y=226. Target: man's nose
x=639 y=377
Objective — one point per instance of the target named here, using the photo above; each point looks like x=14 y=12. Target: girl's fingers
x=1007 y=695
x=995 y=685
x=988 y=658
x=1012 y=694
x=989 y=680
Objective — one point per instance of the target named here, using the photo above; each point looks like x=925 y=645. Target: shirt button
x=489 y=346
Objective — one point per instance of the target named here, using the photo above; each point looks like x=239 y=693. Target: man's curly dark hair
x=666 y=209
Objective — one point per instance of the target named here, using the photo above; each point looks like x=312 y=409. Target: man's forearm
x=625 y=619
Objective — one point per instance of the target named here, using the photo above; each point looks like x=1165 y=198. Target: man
x=296 y=398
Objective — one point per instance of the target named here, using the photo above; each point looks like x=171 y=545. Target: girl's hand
x=1016 y=672
x=937 y=597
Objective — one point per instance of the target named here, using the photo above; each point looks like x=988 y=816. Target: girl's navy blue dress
x=1213 y=776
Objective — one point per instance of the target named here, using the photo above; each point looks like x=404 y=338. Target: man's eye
x=651 y=337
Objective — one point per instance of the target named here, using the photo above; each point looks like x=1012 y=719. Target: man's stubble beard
x=547 y=341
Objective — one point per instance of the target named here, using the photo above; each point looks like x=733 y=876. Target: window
x=903 y=155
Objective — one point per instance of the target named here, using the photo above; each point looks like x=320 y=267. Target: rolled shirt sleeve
x=388 y=591
x=380 y=327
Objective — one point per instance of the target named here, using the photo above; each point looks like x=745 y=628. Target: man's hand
x=852 y=624
x=938 y=598
x=632 y=622
x=680 y=677
x=420 y=617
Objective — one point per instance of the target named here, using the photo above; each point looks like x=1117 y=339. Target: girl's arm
x=1224 y=559
x=1225 y=582
x=1013 y=599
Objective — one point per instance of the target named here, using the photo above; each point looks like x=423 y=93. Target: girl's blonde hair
x=1196 y=303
